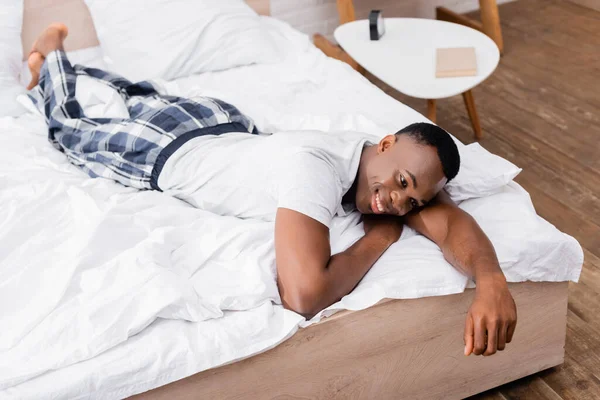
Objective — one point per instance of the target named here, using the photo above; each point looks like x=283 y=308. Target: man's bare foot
x=51 y=39
x=34 y=62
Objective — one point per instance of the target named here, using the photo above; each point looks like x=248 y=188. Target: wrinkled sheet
x=106 y=291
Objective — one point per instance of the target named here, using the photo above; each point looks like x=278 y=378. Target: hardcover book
x=453 y=62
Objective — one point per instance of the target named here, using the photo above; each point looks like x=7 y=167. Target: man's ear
x=386 y=143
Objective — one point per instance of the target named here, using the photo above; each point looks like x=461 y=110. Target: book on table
x=455 y=62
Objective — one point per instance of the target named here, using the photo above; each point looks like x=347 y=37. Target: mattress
x=109 y=292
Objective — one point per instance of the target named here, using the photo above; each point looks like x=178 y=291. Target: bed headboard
x=37 y=14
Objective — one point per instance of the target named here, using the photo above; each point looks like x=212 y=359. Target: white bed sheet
x=87 y=266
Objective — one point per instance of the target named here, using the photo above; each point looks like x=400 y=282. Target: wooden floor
x=541 y=110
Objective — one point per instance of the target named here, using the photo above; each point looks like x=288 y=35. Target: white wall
x=312 y=16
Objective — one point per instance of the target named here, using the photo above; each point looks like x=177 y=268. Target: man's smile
x=377 y=205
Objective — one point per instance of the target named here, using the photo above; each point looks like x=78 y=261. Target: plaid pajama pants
x=131 y=151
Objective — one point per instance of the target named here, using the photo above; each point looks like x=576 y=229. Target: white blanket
x=94 y=273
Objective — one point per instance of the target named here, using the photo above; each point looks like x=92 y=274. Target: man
x=204 y=151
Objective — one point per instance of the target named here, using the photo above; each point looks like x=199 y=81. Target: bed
x=398 y=335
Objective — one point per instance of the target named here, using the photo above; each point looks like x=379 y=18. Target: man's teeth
x=378 y=201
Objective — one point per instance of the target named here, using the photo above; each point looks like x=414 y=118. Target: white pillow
x=145 y=39
x=11 y=54
x=481 y=173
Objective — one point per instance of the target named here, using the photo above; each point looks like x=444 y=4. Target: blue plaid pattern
x=131 y=151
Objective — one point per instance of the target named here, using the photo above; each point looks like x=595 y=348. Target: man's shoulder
x=329 y=145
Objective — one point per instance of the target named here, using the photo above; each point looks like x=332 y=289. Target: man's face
x=401 y=177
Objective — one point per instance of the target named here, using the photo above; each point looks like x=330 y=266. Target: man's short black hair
x=432 y=135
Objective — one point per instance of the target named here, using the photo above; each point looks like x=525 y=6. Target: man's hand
x=388 y=226
x=491 y=320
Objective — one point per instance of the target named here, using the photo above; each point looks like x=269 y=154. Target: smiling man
x=207 y=153
x=397 y=181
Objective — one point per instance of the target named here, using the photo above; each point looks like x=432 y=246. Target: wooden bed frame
x=395 y=349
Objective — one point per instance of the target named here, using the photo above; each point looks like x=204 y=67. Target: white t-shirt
x=250 y=176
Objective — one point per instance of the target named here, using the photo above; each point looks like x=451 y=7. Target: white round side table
x=404 y=58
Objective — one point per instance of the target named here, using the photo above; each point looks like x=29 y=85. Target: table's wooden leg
x=446 y=14
x=490 y=20
x=470 y=104
x=335 y=51
x=346 y=11
x=431 y=110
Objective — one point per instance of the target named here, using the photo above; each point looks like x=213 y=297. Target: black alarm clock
x=376 y=24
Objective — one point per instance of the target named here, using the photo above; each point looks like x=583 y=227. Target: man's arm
x=467 y=248
x=309 y=278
